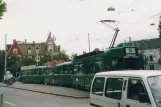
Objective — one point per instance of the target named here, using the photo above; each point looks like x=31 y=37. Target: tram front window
x=132 y=63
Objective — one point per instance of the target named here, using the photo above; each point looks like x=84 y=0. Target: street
x=21 y=98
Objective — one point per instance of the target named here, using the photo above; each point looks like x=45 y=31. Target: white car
x=141 y=88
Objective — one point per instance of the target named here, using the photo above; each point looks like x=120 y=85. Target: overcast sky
x=70 y=21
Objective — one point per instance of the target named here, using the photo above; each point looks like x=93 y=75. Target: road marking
x=9 y=103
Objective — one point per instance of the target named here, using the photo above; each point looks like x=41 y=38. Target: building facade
x=33 y=50
x=151 y=50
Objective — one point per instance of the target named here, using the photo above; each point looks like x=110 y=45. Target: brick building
x=33 y=50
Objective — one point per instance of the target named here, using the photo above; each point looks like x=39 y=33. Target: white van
x=140 y=88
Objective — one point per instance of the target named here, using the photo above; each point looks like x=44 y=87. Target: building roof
x=15 y=45
x=149 y=43
x=50 y=39
x=135 y=73
x=65 y=63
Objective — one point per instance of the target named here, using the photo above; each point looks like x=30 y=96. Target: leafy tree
x=73 y=55
x=2 y=61
x=61 y=56
x=11 y=60
x=13 y=64
x=28 y=61
x=3 y=8
x=46 y=58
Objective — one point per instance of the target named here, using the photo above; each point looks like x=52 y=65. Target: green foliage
x=45 y=59
x=27 y=61
x=13 y=64
x=2 y=60
x=11 y=60
x=3 y=8
x=73 y=55
x=58 y=56
x=61 y=56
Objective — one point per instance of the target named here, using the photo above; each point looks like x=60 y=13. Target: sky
x=70 y=21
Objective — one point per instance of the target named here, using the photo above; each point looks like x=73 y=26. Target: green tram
x=63 y=74
x=35 y=74
x=123 y=57
x=80 y=72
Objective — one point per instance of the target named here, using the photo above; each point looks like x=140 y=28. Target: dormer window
x=37 y=50
x=15 y=51
x=29 y=50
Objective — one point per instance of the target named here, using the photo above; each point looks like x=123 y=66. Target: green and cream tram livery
x=80 y=72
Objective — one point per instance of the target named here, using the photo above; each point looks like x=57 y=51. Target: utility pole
x=5 y=54
x=129 y=39
x=89 y=42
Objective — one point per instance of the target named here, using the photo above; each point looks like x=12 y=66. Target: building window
x=15 y=51
x=29 y=50
x=37 y=50
x=152 y=67
x=50 y=50
x=151 y=58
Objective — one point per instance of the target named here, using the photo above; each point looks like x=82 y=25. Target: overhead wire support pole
x=89 y=42
x=5 y=54
x=116 y=31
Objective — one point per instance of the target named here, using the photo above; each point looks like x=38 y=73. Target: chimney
x=14 y=40
x=33 y=42
x=129 y=39
x=25 y=40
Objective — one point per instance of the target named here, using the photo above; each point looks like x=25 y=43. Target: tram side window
x=107 y=64
x=91 y=68
x=81 y=68
x=70 y=70
x=114 y=88
x=98 y=86
x=98 y=66
x=75 y=69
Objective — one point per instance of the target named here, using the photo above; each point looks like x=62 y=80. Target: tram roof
x=65 y=63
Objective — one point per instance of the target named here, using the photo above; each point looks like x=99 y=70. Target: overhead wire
x=128 y=6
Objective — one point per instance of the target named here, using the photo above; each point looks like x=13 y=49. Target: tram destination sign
x=130 y=52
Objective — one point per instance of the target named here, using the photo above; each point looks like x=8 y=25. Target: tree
x=46 y=58
x=2 y=61
x=61 y=56
x=27 y=62
x=3 y=8
x=73 y=55
x=13 y=64
x=159 y=29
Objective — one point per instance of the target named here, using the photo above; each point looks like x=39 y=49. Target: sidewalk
x=46 y=89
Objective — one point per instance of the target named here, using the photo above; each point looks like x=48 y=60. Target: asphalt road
x=21 y=98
